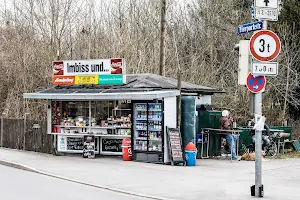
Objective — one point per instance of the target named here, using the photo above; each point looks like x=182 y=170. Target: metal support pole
x=90 y=116
x=258 y=138
x=1 y=137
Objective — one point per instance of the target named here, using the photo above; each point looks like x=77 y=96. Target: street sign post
x=246 y=28
x=265 y=45
x=256 y=84
x=264 y=68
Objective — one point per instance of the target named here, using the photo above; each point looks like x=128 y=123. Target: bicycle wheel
x=271 y=149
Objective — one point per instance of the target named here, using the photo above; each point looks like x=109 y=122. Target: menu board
x=88 y=146
x=175 y=145
x=72 y=144
x=111 y=145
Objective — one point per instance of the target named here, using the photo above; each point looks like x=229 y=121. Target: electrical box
x=244 y=61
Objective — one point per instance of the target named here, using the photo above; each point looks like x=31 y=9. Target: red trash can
x=126 y=149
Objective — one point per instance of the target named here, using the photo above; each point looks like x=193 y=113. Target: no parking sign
x=255 y=83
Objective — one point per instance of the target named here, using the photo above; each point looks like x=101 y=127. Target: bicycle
x=269 y=149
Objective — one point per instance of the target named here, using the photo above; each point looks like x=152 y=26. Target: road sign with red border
x=265 y=45
x=255 y=83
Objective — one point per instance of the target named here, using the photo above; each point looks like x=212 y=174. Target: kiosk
x=96 y=98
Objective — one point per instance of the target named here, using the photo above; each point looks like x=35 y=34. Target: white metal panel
x=103 y=96
x=205 y=99
x=244 y=62
x=170 y=120
x=266 y=4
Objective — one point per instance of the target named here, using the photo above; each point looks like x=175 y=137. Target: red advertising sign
x=63 y=80
x=58 y=68
x=116 y=66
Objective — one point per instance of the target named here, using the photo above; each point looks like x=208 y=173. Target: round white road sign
x=265 y=45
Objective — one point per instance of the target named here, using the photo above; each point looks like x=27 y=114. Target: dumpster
x=209 y=119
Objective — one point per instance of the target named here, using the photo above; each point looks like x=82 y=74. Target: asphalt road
x=18 y=184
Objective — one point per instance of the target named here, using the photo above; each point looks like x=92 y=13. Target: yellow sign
x=81 y=80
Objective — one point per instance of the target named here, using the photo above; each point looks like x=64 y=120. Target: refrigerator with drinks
x=148 y=136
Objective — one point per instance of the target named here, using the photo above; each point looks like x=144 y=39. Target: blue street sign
x=246 y=28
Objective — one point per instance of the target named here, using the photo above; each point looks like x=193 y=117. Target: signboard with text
x=251 y=27
x=266 y=10
x=93 y=72
x=175 y=145
x=265 y=68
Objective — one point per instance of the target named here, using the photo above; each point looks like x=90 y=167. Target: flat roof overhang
x=147 y=95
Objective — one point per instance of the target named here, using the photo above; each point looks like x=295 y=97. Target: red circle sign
x=255 y=83
x=265 y=45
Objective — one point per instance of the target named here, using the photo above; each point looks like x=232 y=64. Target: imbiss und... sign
x=88 y=67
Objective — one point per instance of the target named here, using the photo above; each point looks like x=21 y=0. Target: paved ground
x=25 y=185
x=211 y=179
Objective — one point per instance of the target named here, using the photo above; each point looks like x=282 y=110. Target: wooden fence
x=36 y=139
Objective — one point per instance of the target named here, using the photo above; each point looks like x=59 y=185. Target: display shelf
x=122 y=109
x=141 y=119
x=155 y=130
x=141 y=129
x=102 y=127
x=124 y=121
x=142 y=110
x=70 y=134
x=71 y=126
x=154 y=120
x=93 y=127
x=155 y=110
x=110 y=135
x=155 y=139
x=82 y=134
x=141 y=138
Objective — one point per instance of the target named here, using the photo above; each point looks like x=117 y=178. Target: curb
x=30 y=169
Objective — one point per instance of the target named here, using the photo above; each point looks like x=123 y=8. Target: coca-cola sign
x=58 y=68
x=116 y=66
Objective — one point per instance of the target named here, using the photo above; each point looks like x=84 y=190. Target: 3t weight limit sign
x=266 y=69
x=265 y=45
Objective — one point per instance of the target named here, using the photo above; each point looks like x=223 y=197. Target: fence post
x=25 y=126
x=1 y=137
x=1 y=131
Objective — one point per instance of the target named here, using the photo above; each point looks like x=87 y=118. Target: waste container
x=190 y=154
x=126 y=149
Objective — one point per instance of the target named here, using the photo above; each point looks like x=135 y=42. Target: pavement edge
x=30 y=169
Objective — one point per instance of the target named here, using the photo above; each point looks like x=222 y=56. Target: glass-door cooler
x=140 y=142
x=155 y=127
x=148 y=132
